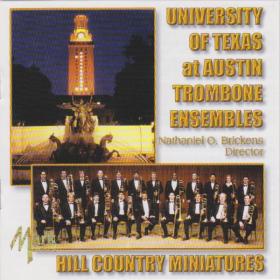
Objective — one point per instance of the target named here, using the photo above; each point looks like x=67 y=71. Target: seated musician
x=247 y=215
x=96 y=214
x=196 y=214
x=221 y=214
x=168 y=216
x=43 y=216
x=145 y=214
x=119 y=214
x=72 y=217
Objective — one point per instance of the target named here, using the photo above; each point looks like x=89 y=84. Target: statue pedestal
x=75 y=133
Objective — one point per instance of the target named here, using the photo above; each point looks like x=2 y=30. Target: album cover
x=139 y=139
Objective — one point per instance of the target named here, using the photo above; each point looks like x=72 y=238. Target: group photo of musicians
x=83 y=204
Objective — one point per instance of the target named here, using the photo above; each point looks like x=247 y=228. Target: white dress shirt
x=82 y=182
x=119 y=182
x=245 y=215
x=46 y=206
x=121 y=208
x=101 y=183
x=65 y=183
x=96 y=205
x=212 y=185
x=245 y=188
x=197 y=208
x=45 y=186
x=136 y=184
x=171 y=208
x=71 y=206
x=220 y=213
x=153 y=183
x=146 y=208
x=193 y=186
x=174 y=185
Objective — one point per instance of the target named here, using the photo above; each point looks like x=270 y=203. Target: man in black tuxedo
x=80 y=189
x=212 y=190
x=71 y=217
x=247 y=215
x=154 y=191
x=119 y=214
x=63 y=187
x=135 y=187
x=100 y=186
x=43 y=216
x=196 y=214
x=118 y=185
x=168 y=216
x=229 y=189
x=193 y=188
x=245 y=189
x=172 y=186
x=41 y=187
x=145 y=214
x=96 y=211
x=221 y=215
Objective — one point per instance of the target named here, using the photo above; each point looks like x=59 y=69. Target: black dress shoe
x=246 y=241
x=225 y=241
x=105 y=236
x=146 y=231
x=82 y=240
x=93 y=238
x=70 y=240
x=138 y=236
x=128 y=235
x=208 y=239
x=174 y=236
x=114 y=236
x=165 y=236
x=186 y=238
x=237 y=240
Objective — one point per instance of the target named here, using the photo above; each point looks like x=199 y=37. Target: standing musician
x=220 y=215
x=229 y=189
x=172 y=186
x=245 y=189
x=212 y=190
x=196 y=214
x=145 y=214
x=96 y=214
x=81 y=188
x=154 y=191
x=70 y=215
x=43 y=216
x=193 y=188
x=41 y=187
x=118 y=185
x=135 y=187
x=170 y=215
x=247 y=215
x=119 y=214
x=100 y=186
x=64 y=186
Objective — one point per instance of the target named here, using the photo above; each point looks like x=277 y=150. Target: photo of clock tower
x=81 y=59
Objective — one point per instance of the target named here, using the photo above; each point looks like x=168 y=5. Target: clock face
x=81 y=35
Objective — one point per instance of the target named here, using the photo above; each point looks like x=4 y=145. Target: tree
x=32 y=99
x=134 y=91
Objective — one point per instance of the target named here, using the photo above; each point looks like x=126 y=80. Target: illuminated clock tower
x=81 y=59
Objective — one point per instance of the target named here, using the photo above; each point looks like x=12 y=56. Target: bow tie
x=45 y=204
x=71 y=203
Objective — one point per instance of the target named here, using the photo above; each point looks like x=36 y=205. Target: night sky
x=41 y=38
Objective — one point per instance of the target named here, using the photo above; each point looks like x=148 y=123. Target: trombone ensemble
x=75 y=205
